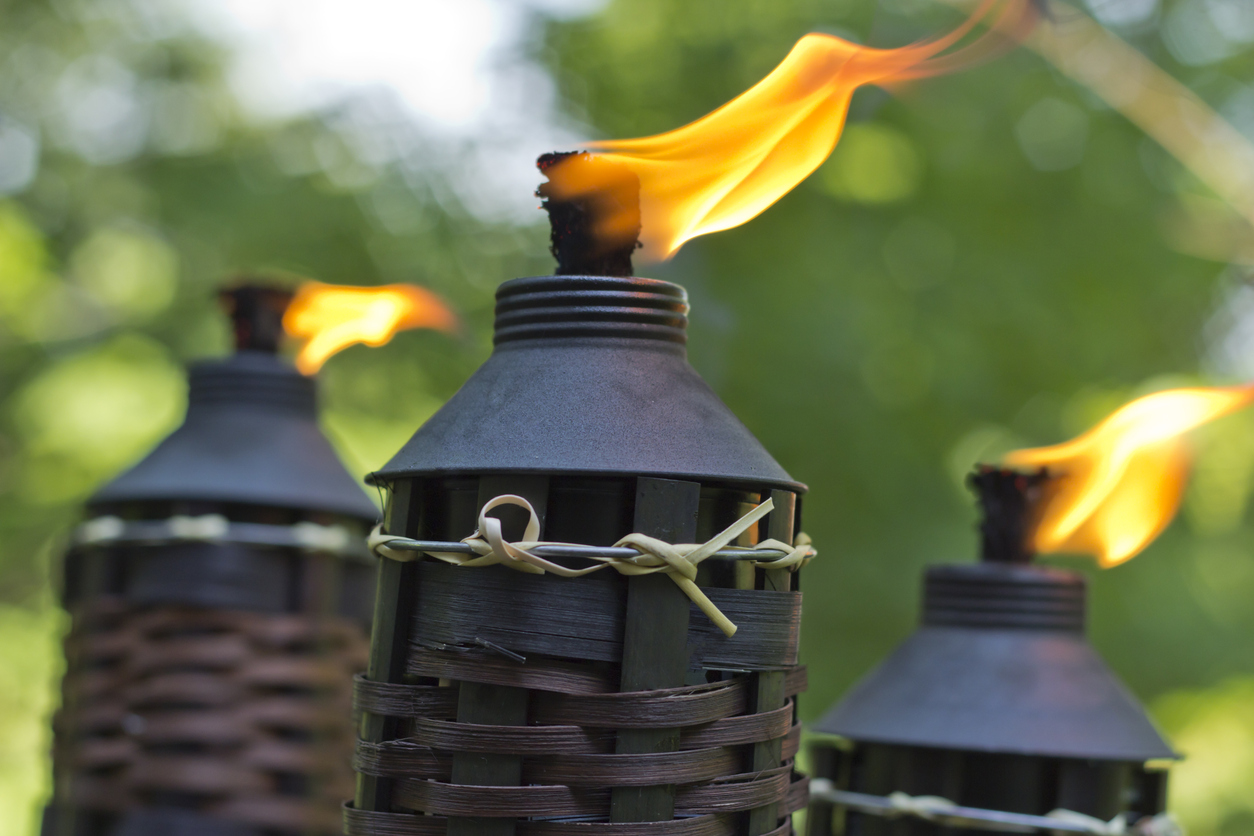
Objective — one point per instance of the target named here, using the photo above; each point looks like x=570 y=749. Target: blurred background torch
x=997 y=714
x=221 y=592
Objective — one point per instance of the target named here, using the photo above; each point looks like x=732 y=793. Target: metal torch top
x=999 y=664
x=251 y=433
x=589 y=376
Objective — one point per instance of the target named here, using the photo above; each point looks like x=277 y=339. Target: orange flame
x=332 y=317
x=1117 y=486
x=731 y=165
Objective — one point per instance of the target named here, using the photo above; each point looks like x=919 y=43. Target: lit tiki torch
x=220 y=593
x=586 y=620
x=997 y=714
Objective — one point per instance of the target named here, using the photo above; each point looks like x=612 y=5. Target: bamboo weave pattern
x=569 y=767
x=244 y=716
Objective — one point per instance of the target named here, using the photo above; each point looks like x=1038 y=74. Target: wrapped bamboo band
x=686 y=706
x=571 y=739
x=769 y=638
x=406 y=759
x=499 y=802
x=367 y=823
x=493 y=669
x=734 y=731
x=561 y=678
x=663 y=708
x=225 y=710
x=402 y=758
x=677 y=561
x=688 y=767
x=510 y=740
x=735 y=793
x=579 y=701
x=584 y=618
x=397 y=700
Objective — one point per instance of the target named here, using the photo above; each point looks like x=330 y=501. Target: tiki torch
x=997 y=714
x=220 y=594
x=585 y=619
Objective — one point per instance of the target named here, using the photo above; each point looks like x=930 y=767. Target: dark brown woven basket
x=220 y=591
x=241 y=716
x=234 y=714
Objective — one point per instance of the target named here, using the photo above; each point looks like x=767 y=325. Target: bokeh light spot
x=1053 y=134
x=872 y=164
x=132 y=272
x=101 y=409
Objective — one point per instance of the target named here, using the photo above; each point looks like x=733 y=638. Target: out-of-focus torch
x=997 y=714
x=221 y=592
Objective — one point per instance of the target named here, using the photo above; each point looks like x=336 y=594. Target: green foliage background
x=989 y=260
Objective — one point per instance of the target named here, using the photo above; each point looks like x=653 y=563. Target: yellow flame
x=1118 y=486
x=731 y=165
x=331 y=317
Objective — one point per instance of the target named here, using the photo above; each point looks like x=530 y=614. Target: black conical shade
x=1000 y=664
x=590 y=376
x=250 y=436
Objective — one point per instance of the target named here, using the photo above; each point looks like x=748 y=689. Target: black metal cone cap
x=589 y=376
x=1000 y=664
x=250 y=436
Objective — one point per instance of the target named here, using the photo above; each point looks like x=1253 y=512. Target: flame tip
x=330 y=318
x=729 y=166
x=1115 y=488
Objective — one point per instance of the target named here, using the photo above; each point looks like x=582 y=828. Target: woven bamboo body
x=238 y=715
x=555 y=647
x=502 y=700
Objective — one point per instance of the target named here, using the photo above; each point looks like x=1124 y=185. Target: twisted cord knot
x=927 y=807
x=207 y=527
x=678 y=561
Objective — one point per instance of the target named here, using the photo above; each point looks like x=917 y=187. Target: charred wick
x=1007 y=502
x=256 y=313
x=574 y=222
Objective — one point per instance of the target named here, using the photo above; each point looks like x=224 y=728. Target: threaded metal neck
x=253 y=378
x=998 y=595
x=548 y=307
